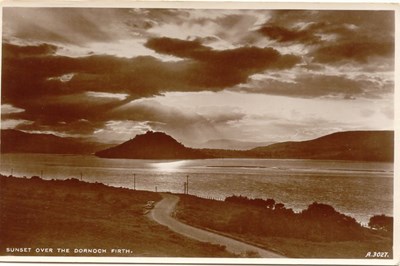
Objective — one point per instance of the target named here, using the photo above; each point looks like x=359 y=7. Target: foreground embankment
x=316 y=232
x=74 y=218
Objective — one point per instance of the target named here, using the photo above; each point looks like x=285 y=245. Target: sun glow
x=117 y=96
x=169 y=166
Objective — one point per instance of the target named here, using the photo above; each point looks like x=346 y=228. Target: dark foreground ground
x=317 y=232
x=47 y=217
x=38 y=217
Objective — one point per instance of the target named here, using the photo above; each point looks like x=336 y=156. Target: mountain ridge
x=15 y=141
x=347 y=145
x=232 y=144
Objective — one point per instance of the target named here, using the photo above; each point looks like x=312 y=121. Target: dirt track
x=162 y=211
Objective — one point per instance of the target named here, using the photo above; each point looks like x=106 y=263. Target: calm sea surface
x=359 y=189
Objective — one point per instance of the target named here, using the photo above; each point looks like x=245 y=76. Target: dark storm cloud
x=26 y=77
x=39 y=74
x=32 y=81
x=364 y=22
x=72 y=114
x=52 y=88
x=18 y=51
x=335 y=36
x=34 y=76
x=312 y=86
x=244 y=58
x=355 y=51
x=240 y=62
x=214 y=50
x=282 y=34
x=176 y=47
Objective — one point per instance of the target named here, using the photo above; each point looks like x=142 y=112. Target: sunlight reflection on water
x=169 y=166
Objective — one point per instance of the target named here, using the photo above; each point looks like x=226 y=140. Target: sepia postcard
x=199 y=133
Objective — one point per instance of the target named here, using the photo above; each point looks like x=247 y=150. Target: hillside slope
x=14 y=141
x=350 y=145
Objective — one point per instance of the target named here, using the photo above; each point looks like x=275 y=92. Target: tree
x=381 y=222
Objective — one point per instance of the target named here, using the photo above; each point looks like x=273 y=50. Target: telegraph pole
x=187 y=184
x=134 y=181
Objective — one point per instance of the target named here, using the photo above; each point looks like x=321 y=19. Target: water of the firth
x=359 y=189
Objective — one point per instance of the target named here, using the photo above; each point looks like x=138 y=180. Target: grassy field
x=70 y=214
x=218 y=216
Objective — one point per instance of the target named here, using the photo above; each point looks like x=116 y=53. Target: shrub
x=319 y=222
x=381 y=222
x=331 y=224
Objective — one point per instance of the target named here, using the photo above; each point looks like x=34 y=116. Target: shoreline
x=361 y=218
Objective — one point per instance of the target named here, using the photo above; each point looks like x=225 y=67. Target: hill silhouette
x=152 y=145
x=232 y=144
x=350 y=145
x=14 y=141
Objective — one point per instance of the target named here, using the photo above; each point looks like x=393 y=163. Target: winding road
x=162 y=211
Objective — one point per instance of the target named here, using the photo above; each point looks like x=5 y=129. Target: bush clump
x=319 y=222
x=382 y=223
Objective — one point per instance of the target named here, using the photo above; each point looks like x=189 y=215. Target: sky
x=108 y=74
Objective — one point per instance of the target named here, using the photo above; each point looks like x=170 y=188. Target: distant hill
x=152 y=145
x=231 y=144
x=350 y=145
x=14 y=141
